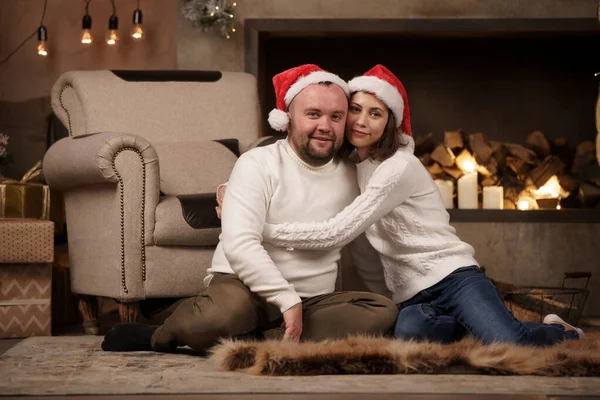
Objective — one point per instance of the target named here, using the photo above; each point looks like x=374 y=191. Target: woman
x=442 y=293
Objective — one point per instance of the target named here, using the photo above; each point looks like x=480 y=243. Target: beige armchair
x=141 y=145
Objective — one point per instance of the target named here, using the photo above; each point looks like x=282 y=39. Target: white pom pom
x=278 y=120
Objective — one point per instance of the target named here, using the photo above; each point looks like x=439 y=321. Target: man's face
x=317 y=122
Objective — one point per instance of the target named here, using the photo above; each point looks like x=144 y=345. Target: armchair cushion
x=172 y=229
x=193 y=167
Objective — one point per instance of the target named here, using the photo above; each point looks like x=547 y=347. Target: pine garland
x=211 y=14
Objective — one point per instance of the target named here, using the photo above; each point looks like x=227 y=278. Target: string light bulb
x=42 y=34
x=86 y=25
x=137 y=32
x=113 y=25
x=42 y=38
x=234 y=4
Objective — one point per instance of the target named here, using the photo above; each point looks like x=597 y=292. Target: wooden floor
x=6 y=344
x=110 y=317
x=306 y=397
x=309 y=396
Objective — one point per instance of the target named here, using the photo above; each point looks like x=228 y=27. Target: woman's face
x=367 y=118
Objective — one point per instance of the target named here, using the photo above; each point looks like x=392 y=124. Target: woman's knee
x=411 y=323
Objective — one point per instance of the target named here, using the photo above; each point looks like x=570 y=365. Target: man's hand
x=220 y=195
x=219 y=207
x=292 y=323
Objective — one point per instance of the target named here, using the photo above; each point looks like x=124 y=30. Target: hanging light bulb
x=113 y=25
x=86 y=25
x=42 y=38
x=137 y=32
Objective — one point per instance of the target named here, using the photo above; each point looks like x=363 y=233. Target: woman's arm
x=391 y=184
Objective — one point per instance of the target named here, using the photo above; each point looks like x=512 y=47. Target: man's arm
x=245 y=206
x=368 y=265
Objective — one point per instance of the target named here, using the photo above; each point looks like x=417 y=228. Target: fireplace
x=504 y=81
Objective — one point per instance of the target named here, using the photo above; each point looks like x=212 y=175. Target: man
x=252 y=284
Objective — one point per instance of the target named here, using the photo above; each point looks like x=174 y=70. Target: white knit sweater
x=402 y=212
x=273 y=184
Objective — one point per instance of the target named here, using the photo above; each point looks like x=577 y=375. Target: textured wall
x=197 y=50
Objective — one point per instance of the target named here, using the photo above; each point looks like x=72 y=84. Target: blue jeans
x=467 y=302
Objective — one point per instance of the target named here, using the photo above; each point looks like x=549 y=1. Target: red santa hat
x=380 y=82
x=289 y=83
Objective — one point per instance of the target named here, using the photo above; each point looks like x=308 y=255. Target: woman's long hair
x=387 y=145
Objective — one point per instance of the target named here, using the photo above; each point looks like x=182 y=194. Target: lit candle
x=493 y=198
x=526 y=202
x=446 y=189
x=523 y=205
x=467 y=191
x=467 y=186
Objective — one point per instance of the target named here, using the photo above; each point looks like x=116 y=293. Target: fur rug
x=369 y=355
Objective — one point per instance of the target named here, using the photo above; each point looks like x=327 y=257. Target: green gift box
x=24 y=200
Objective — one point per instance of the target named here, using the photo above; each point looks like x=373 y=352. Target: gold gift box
x=24 y=200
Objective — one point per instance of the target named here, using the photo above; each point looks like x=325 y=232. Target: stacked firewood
x=519 y=169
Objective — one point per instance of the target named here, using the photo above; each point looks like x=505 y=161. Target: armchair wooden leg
x=129 y=312
x=88 y=307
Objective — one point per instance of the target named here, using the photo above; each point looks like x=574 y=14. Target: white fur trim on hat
x=279 y=120
x=383 y=90
x=314 y=77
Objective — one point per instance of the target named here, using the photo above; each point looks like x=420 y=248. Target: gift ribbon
x=32 y=173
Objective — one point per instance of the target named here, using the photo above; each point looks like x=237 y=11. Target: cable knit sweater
x=272 y=184
x=405 y=220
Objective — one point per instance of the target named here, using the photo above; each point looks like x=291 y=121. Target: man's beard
x=315 y=158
